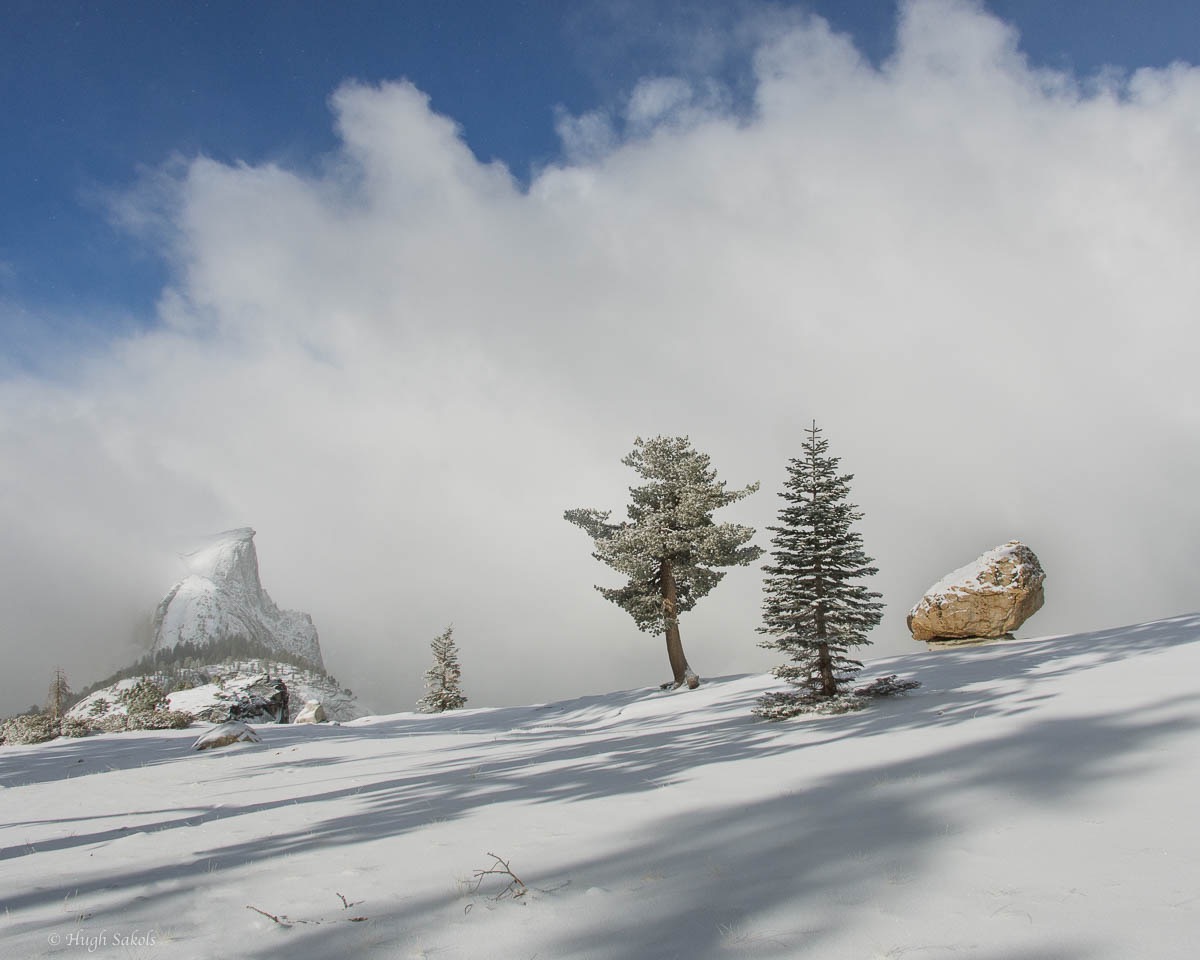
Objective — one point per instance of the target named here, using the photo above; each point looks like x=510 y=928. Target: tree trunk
x=824 y=660
x=682 y=673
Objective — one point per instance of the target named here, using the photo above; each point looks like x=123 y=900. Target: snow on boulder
x=311 y=712
x=988 y=598
x=225 y=734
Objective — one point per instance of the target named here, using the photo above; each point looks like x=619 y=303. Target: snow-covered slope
x=222 y=597
x=1033 y=800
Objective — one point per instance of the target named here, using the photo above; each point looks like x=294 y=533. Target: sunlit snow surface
x=1034 y=799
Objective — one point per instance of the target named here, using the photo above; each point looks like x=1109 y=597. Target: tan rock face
x=985 y=599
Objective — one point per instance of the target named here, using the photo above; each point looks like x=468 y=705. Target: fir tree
x=670 y=547
x=58 y=698
x=442 y=690
x=815 y=607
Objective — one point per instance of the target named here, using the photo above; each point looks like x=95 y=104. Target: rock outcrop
x=232 y=690
x=224 y=651
x=253 y=699
x=988 y=598
x=222 y=598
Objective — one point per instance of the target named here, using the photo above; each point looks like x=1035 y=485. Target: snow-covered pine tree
x=670 y=547
x=442 y=680
x=816 y=607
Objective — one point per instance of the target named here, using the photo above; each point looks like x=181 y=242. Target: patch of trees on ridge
x=175 y=664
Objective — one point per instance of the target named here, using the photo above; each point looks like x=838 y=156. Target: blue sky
x=97 y=93
x=329 y=316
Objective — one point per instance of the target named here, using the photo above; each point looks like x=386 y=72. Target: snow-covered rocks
x=311 y=712
x=225 y=734
x=222 y=598
x=230 y=690
x=252 y=699
x=988 y=598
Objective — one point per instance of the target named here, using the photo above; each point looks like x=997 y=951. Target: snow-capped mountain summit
x=222 y=597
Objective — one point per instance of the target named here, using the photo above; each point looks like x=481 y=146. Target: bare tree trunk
x=682 y=673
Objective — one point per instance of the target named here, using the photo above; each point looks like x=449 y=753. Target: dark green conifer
x=816 y=608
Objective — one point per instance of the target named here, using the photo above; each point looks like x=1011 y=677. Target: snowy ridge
x=218 y=682
x=996 y=813
x=222 y=597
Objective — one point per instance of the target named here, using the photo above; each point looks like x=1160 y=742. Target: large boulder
x=312 y=712
x=988 y=598
x=225 y=734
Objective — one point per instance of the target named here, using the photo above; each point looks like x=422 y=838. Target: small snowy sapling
x=443 y=689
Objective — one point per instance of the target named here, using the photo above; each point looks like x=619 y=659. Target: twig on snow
x=515 y=888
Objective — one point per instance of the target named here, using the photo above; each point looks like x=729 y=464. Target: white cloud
x=656 y=99
x=401 y=370
x=585 y=138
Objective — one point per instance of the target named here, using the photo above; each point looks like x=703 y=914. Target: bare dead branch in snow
x=282 y=920
x=285 y=921
x=515 y=888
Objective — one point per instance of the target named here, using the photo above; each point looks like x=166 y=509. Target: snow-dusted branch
x=515 y=888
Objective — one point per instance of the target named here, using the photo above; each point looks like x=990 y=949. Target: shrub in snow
x=30 y=728
x=113 y=723
x=780 y=706
x=886 y=686
x=159 y=720
x=146 y=708
x=143 y=697
x=143 y=720
x=815 y=607
x=670 y=548
x=74 y=727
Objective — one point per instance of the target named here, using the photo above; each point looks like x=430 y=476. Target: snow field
x=1033 y=799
